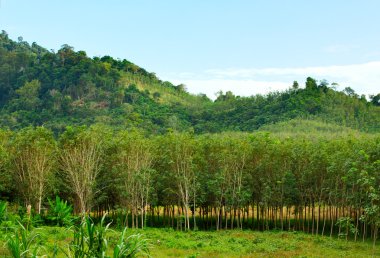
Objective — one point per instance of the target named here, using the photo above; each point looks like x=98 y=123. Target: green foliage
x=347 y=226
x=60 y=212
x=232 y=243
x=95 y=115
x=3 y=211
x=33 y=161
x=132 y=246
x=40 y=87
x=21 y=243
x=28 y=96
x=375 y=99
x=314 y=102
x=92 y=241
x=307 y=127
x=6 y=186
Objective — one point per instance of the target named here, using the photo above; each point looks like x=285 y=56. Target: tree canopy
x=56 y=89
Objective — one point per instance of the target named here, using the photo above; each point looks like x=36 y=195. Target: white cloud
x=363 y=78
x=340 y=49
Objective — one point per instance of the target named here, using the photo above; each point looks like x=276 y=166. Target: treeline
x=319 y=184
x=54 y=89
x=317 y=100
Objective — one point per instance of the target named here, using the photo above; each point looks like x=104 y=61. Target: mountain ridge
x=41 y=87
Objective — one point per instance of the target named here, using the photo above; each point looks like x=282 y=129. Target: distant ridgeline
x=56 y=89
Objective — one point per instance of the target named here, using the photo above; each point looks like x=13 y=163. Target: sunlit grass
x=227 y=243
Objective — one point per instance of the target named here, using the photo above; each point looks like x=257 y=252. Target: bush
x=20 y=243
x=60 y=212
x=92 y=241
x=3 y=211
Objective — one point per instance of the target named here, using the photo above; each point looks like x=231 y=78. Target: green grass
x=231 y=243
x=304 y=126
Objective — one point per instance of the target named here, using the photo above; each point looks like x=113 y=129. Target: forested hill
x=56 y=89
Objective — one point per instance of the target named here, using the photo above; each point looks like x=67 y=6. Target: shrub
x=3 y=211
x=20 y=243
x=130 y=246
x=60 y=212
x=92 y=241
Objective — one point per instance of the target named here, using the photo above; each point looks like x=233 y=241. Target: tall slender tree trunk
x=375 y=230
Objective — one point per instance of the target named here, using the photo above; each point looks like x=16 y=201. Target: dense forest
x=326 y=183
x=108 y=136
x=55 y=89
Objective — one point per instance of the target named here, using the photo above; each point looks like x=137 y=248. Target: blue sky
x=245 y=46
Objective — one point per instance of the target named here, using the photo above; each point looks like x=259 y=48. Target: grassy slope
x=305 y=127
x=167 y=95
x=233 y=243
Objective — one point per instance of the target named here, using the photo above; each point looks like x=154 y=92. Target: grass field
x=231 y=243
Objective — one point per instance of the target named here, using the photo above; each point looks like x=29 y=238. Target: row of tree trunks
x=316 y=219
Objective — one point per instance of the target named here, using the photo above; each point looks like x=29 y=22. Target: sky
x=245 y=46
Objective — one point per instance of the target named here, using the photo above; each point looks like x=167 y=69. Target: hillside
x=56 y=89
x=299 y=126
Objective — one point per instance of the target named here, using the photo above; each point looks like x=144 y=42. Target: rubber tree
x=134 y=157
x=80 y=162
x=177 y=150
x=369 y=181
x=33 y=159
